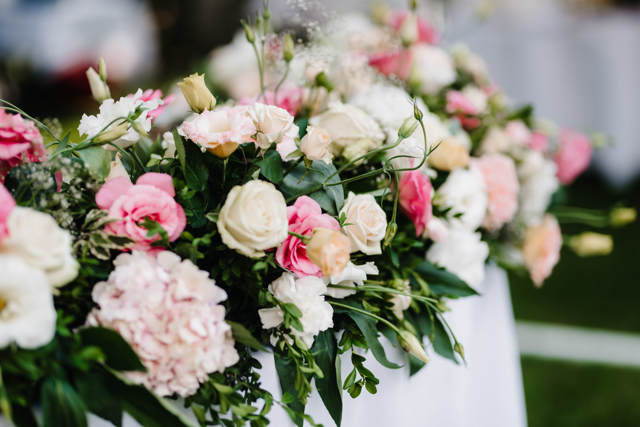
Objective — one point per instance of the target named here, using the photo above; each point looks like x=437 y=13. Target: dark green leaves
x=196 y=172
x=271 y=166
x=241 y=334
x=97 y=160
x=119 y=354
x=99 y=396
x=326 y=350
x=442 y=342
x=180 y=150
x=287 y=374
x=330 y=199
x=442 y=282
x=61 y=405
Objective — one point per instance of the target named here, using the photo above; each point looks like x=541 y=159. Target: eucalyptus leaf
x=325 y=348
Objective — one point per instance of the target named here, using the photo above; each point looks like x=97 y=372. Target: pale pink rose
x=396 y=62
x=6 y=207
x=151 y=197
x=170 y=314
x=303 y=216
x=574 y=155
x=518 y=132
x=459 y=103
x=426 y=32
x=501 y=183
x=415 y=199
x=286 y=147
x=541 y=249
x=289 y=98
x=538 y=142
x=20 y=142
x=150 y=95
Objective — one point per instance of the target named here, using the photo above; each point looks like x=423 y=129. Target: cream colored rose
x=196 y=93
x=347 y=125
x=117 y=168
x=253 y=218
x=329 y=250
x=449 y=155
x=315 y=144
x=36 y=238
x=368 y=223
x=495 y=141
x=272 y=124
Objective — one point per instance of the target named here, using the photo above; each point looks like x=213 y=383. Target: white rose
x=351 y=276
x=462 y=254
x=538 y=183
x=306 y=294
x=315 y=144
x=253 y=218
x=35 y=237
x=432 y=68
x=464 y=195
x=272 y=124
x=347 y=125
x=27 y=314
x=368 y=223
x=496 y=140
x=477 y=97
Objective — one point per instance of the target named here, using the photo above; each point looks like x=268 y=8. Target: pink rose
x=574 y=155
x=303 y=216
x=501 y=183
x=538 y=142
x=20 y=142
x=151 y=197
x=392 y=62
x=415 y=199
x=458 y=102
x=6 y=207
x=426 y=32
x=541 y=249
x=150 y=95
x=289 y=98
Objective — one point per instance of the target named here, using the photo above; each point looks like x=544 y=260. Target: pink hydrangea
x=415 y=199
x=574 y=155
x=289 y=98
x=20 y=142
x=426 y=32
x=151 y=197
x=170 y=314
x=501 y=183
x=303 y=217
x=396 y=62
x=150 y=95
x=541 y=249
x=6 y=207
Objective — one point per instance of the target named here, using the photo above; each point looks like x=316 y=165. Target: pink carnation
x=415 y=199
x=426 y=32
x=20 y=142
x=501 y=183
x=574 y=155
x=170 y=314
x=541 y=249
x=150 y=95
x=289 y=98
x=303 y=217
x=392 y=62
x=6 y=207
x=458 y=102
x=151 y=197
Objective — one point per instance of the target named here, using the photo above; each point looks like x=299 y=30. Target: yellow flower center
x=3 y=304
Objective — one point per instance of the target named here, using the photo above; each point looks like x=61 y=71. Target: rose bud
x=99 y=88
x=329 y=250
x=591 y=244
x=196 y=93
x=315 y=143
x=410 y=344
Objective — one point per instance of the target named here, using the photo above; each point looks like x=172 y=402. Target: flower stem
x=292 y=167
x=284 y=77
x=367 y=313
x=304 y=239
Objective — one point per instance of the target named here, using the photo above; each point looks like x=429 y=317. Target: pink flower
x=458 y=102
x=501 y=183
x=289 y=98
x=538 y=142
x=303 y=216
x=518 y=132
x=20 y=142
x=170 y=314
x=150 y=95
x=415 y=199
x=392 y=62
x=6 y=207
x=541 y=249
x=426 y=32
x=151 y=197
x=574 y=155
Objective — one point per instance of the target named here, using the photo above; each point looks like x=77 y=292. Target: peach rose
x=329 y=250
x=541 y=249
x=449 y=155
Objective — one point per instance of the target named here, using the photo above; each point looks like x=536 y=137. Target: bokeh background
x=577 y=61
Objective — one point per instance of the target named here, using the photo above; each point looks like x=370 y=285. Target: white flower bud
x=410 y=344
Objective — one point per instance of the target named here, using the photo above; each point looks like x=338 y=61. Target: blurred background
x=577 y=61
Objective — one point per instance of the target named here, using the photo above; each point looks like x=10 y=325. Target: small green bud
x=392 y=228
x=458 y=348
x=410 y=344
x=323 y=81
x=248 y=32
x=102 y=70
x=408 y=127
x=288 y=48
x=622 y=216
x=417 y=113
x=413 y=4
x=138 y=128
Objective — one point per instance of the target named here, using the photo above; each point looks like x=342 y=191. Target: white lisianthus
x=253 y=218
x=111 y=110
x=307 y=295
x=462 y=254
x=367 y=223
x=477 y=97
x=315 y=144
x=169 y=145
x=352 y=276
x=464 y=196
x=347 y=125
x=36 y=238
x=538 y=182
x=27 y=314
x=117 y=168
x=272 y=123
x=401 y=302
x=432 y=68
x=436 y=230
x=469 y=62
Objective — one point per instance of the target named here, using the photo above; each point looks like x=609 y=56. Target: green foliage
x=96 y=159
x=61 y=405
x=118 y=353
x=271 y=166
x=325 y=348
x=300 y=180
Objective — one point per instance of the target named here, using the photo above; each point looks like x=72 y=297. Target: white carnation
x=464 y=196
x=352 y=276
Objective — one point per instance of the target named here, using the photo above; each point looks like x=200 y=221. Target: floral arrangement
x=343 y=188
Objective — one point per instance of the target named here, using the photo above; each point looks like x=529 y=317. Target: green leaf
x=293 y=310
x=442 y=342
x=325 y=349
x=196 y=172
x=271 y=166
x=331 y=199
x=442 y=282
x=119 y=354
x=97 y=160
x=180 y=151
x=99 y=396
x=23 y=416
x=61 y=405
x=368 y=328
x=241 y=334
x=63 y=143
x=287 y=374
x=415 y=365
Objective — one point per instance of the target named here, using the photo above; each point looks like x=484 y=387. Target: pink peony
x=426 y=32
x=392 y=62
x=170 y=314
x=541 y=249
x=574 y=155
x=289 y=98
x=151 y=197
x=20 y=142
x=6 y=207
x=415 y=199
x=150 y=95
x=303 y=217
x=501 y=183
